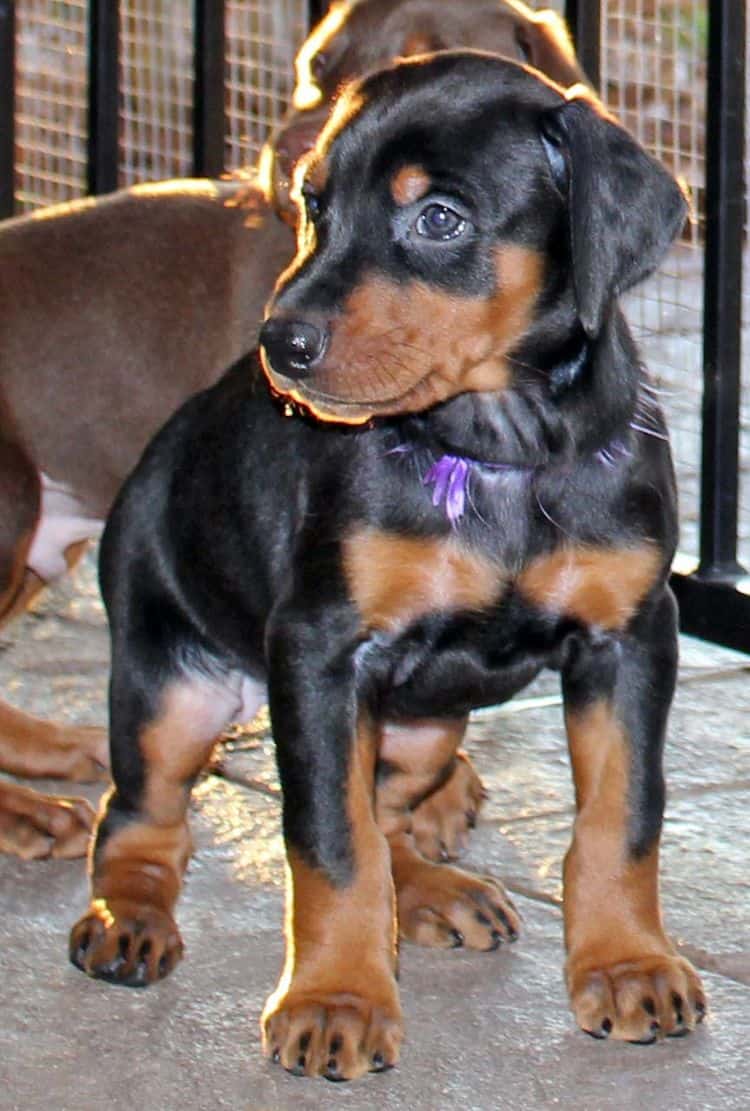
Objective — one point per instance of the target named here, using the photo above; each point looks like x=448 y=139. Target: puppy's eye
x=524 y=46
x=318 y=65
x=312 y=204
x=439 y=222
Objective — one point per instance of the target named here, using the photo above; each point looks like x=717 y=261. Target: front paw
x=338 y=1035
x=125 y=942
x=639 y=999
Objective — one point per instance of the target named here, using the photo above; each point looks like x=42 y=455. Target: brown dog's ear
x=624 y=208
x=546 y=43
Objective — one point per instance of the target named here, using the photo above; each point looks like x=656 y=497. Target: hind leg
x=438 y=905
x=28 y=745
x=442 y=822
x=160 y=742
x=34 y=825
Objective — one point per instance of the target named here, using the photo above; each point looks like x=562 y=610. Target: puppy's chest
x=397 y=581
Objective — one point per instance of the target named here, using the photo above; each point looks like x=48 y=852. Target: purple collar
x=450 y=474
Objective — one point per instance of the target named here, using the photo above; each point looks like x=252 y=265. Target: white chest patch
x=63 y=521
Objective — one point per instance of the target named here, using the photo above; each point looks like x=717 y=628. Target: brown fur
x=395 y=580
x=336 y=971
x=596 y=586
x=152 y=292
x=464 y=349
x=409 y=184
x=611 y=908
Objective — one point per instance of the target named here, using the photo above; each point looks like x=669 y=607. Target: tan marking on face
x=602 y=587
x=455 y=343
x=394 y=580
x=611 y=900
x=409 y=184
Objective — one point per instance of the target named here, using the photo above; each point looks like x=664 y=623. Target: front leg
x=335 y=1011
x=624 y=976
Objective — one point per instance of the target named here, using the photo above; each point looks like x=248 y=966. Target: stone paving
x=484 y=1031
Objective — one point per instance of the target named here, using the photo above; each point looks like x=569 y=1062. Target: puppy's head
x=355 y=38
x=454 y=209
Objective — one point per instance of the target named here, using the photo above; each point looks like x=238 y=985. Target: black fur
x=223 y=553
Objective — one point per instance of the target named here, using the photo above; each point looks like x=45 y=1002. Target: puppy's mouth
x=325 y=406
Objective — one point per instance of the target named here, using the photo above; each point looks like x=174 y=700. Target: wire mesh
x=262 y=38
x=156 y=89
x=654 y=79
x=51 y=94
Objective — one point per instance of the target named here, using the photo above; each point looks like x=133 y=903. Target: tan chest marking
x=596 y=586
x=395 y=580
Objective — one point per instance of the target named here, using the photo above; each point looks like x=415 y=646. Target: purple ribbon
x=450 y=474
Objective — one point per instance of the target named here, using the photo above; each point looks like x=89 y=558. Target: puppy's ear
x=624 y=208
x=545 y=40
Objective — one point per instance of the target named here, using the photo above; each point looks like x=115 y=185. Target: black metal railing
x=714 y=593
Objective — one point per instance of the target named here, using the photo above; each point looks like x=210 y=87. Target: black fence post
x=584 y=18
x=722 y=323
x=7 y=106
x=208 y=88
x=104 y=89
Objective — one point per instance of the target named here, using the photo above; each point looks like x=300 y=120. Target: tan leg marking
x=129 y=933
x=438 y=905
x=336 y=1010
x=623 y=974
x=34 y=826
x=30 y=746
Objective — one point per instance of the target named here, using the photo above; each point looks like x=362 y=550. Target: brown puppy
x=115 y=311
x=360 y=35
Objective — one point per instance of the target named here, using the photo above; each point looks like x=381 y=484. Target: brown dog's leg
x=33 y=825
x=30 y=746
x=142 y=846
x=624 y=976
x=438 y=905
x=336 y=1010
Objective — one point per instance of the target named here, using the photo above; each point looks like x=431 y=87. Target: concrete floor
x=484 y=1031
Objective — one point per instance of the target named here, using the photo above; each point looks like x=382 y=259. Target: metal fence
x=676 y=72
x=108 y=93
x=176 y=87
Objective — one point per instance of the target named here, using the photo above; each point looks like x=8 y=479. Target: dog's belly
x=63 y=521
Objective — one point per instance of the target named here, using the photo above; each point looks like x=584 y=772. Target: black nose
x=293 y=347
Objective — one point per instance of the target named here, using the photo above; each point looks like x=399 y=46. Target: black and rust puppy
x=479 y=487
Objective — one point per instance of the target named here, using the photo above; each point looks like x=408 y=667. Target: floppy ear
x=545 y=37
x=624 y=208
